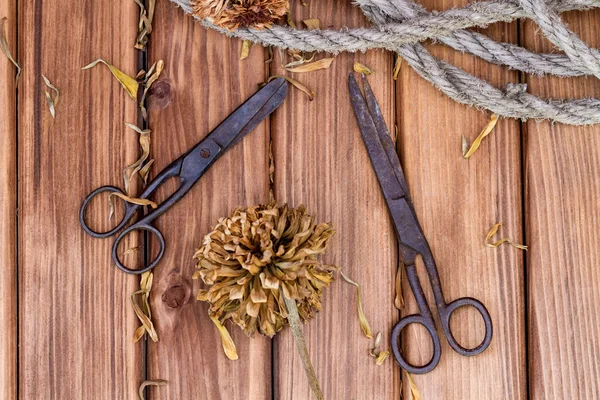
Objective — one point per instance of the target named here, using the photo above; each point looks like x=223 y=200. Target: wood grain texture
x=562 y=201
x=457 y=201
x=75 y=317
x=208 y=82
x=321 y=161
x=8 y=209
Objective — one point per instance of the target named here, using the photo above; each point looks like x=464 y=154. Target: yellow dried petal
x=245 y=51
x=493 y=231
x=128 y=83
x=414 y=391
x=362 y=69
x=5 y=50
x=52 y=102
x=486 y=131
x=397 y=66
x=298 y=85
x=290 y=21
x=137 y=166
x=228 y=344
x=133 y=200
x=364 y=324
x=312 y=23
x=381 y=357
x=399 y=299
x=157 y=382
x=323 y=63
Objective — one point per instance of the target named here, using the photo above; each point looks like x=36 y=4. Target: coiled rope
x=400 y=26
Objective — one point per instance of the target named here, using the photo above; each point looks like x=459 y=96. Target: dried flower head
x=255 y=257
x=233 y=14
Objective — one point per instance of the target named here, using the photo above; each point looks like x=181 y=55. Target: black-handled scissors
x=190 y=167
x=411 y=240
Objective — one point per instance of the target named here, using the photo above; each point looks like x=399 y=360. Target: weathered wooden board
x=457 y=202
x=321 y=161
x=8 y=210
x=562 y=204
x=208 y=82
x=75 y=318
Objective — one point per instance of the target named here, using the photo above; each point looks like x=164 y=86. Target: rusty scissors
x=411 y=240
x=189 y=168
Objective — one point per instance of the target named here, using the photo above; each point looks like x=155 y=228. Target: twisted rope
x=400 y=25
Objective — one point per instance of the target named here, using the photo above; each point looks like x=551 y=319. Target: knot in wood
x=177 y=295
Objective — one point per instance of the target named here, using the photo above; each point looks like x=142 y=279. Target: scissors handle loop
x=138 y=227
x=435 y=339
x=130 y=209
x=447 y=311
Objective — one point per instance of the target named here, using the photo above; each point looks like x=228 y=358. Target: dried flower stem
x=296 y=327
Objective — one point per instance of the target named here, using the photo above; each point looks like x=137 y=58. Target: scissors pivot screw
x=205 y=153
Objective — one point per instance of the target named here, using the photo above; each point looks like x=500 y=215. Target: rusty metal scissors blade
x=411 y=240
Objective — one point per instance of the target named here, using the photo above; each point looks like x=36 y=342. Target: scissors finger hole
x=467 y=326
x=127 y=251
x=102 y=212
x=417 y=344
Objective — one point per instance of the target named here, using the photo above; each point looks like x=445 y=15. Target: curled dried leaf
x=151 y=76
x=129 y=84
x=362 y=69
x=297 y=84
x=298 y=334
x=245 y=51
x=133 y=200
x=312 y=23
x=142 y=311
x=493 y=231
x=228 y=344
x=486 y=131
x=323 y=63
x=364 y=323
x=397 y=66
x=52 y=102
x=138 y=166
x=157 y=382
x=414 y=391
x=145 y=23
x=5 y=49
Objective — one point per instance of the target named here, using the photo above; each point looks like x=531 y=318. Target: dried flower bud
x=233 y=14
x=250 y=258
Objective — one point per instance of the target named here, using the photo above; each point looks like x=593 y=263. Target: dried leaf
x=157 y=382
x=381 y=357
x=399 y=299
x=134 y=200
x=298 y=334
x=486 y=131
x=290 y=21
x=6 y=51
x=145 y=171
x=397 y=66
x=493 y=231
x=151 y=76
x=298 y=85
x=128 y=83
x=245 y=49
x=414 y=391
x=143 y=311
x=312 y=23
x=364 y=324
x=145 y=23
x=137 y=166
x=362 y=69
x=228 y=344
x=323 y=63
x=52 y=102
x=465 y=145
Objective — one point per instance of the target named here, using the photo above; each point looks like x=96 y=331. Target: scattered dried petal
x=399 y=299
x=323 y=63
x=493 y=231
x=414 y=391
x=397 y=66
x=134 y=200
x=290 y=21
x=143 y=311
x=465 y=145
x=145 y=23
x=298 y=334
x=297 y=84
x=381 y=357
x=151 y=76
x=131 y=250
x=245 y=49
x=128 y=83
x=5 y=50
x=486 y=131
x=312 y=23
x=52 y=102
x=364 y=324
x=157 y=382
x=228 y=344
x=138 y=166
x=362 y=69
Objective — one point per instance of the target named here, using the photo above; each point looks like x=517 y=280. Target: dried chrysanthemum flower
x=232 y=14
x=258 y=255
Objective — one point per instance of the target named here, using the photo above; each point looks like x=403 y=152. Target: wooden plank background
x=66 y=323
